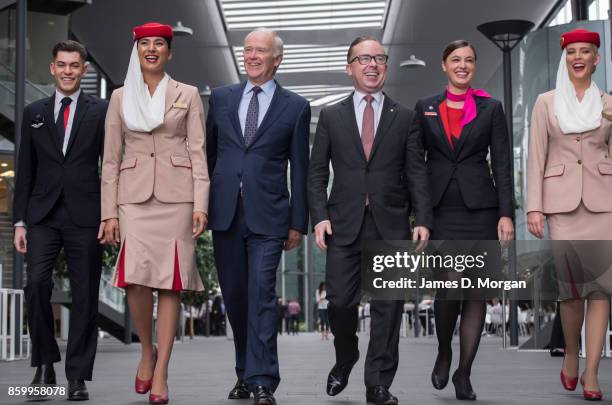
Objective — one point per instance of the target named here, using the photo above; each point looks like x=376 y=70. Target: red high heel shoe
x=158 y=399
x=567 y=382
x=590 y=395
x=143 y=386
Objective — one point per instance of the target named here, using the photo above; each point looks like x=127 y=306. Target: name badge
x=180 y=105
x=606 y=116
x=430 y=113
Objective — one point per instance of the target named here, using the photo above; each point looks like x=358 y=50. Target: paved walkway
x=202 y=373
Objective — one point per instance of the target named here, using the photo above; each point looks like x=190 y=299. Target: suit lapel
x=347 y=114
x=173 y=92
x=234 y=103
x=465 y=132
x=441 y=132
x=49 y=116
x=82 y=106
x=387 y=115
x=277 y=106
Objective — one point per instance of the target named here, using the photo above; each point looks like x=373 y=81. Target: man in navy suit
x=254 y=130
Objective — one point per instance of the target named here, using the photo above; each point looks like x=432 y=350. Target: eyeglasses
x=365 y=59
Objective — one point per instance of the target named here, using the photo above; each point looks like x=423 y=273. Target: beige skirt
x=582 y=250
x=157 y=249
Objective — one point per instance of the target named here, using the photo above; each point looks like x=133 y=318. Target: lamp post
x=506 y=34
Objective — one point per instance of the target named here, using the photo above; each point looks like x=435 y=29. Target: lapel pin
x=38 y=121
x=392 y=110
x=430 y=107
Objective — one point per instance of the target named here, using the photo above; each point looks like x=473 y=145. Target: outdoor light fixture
x=413 y=63
x=180 y=30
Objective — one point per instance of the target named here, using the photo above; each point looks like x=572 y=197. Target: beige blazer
x=168 y=163
x=564 y=169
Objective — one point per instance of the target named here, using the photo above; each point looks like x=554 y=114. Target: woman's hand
x=535 y=223
x=111 y=232
x=200 y=220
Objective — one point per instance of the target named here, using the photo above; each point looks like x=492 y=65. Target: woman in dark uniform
x=460 y=127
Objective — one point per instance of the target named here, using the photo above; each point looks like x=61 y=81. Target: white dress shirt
x=359 y=103
x=73 y=106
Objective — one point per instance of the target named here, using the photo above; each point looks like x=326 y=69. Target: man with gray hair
x=254 y=129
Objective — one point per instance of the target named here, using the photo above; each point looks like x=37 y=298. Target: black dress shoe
x=77 y=390
x=240 y=391
x=44 y=375
x=338 y=377
x=263 y=396
x=463 y=387
x=439 y=375
x=380 y=395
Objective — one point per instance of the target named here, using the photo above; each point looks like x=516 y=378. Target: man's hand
x=20 y=241
x=420 y=233
x=200 y=220
x=535 y=224
x=111 y=232
x=322 y=229
x=505 y=230
x=293 y=239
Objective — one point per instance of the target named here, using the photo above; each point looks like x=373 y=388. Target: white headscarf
x=574 y=116
x=142 y=113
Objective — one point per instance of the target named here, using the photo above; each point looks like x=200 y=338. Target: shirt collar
x=358 y=96
x=59 y=96
x=267 y=88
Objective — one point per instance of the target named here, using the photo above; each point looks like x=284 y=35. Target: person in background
x=293 y=310
x=321 y=299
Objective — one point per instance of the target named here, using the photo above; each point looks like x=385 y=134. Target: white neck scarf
x=574 y=116
x=142 y=113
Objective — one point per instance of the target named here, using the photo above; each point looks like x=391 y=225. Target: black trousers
x=84 y=261
x=343 y=284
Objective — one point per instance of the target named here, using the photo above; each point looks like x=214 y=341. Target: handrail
x=35 y=86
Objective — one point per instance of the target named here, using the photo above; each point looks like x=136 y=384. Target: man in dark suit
x=57 y=196
x=379 y=178
x=254 y=129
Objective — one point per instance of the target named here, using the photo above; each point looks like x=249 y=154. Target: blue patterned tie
x=252 y=116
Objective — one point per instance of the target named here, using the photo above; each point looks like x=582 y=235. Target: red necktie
x=367 y=126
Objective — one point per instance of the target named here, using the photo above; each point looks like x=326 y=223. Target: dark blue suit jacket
x=261 y=168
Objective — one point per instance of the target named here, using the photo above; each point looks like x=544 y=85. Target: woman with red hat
x=154 y=196
x=569 y=182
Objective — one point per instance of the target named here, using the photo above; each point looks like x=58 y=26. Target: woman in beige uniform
x=154 y=196
x=570 y=182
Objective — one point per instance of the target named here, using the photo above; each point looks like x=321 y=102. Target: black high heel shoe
x=439 y=375
x=463 y=387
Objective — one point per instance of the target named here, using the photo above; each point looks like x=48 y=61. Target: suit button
x=577 y=139
x=580 y=162
x=152 y=154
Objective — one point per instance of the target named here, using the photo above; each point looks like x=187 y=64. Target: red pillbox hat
x=579 y=35
x=152 y=29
